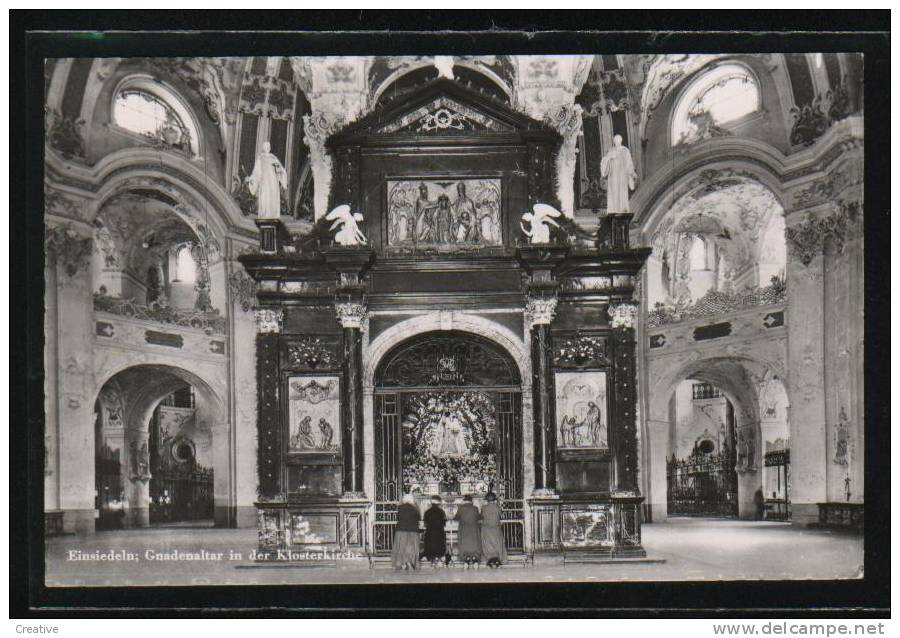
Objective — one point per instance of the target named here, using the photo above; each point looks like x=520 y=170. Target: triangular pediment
x=442 y=108
x=444 y=115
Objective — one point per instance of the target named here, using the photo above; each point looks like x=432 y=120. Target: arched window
x=698 y=253
x=724 y=94
x=145 y=107
x=185 y=268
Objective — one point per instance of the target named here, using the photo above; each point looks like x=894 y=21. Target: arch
x=699 y=368
x=414 y=66
x=721 y=157
x=737 y=377
x=446 y=321
x=143 y=399
x=402 y=365
x=176 y=178
x=140 y=388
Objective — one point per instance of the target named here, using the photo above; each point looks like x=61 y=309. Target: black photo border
x=35 y=35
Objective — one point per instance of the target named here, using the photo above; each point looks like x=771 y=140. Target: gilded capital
x=351 y=314
x=540 y=310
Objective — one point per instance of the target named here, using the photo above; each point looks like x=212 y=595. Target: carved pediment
x=444 y=115
x=442 y=108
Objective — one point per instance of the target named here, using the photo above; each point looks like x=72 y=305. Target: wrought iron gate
x=777 y=486
x=180 y=488
x=702 y=485
x=509 y=470
x=388 y=480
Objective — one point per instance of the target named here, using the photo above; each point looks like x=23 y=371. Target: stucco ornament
x=622 y=315
x=348 y=233
x=540 y=310
x=73 y=250
x=444 y=66
x=350 y=314
x=538 y=220
x=268 y=321
x=842 y=442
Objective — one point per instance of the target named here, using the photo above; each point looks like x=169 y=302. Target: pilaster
x=68 y=251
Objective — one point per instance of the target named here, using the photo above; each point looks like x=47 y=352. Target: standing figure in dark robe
x=469 y=535
x=435 y=536
x=327 y=433
x=466 y=215
x=405 y=552
x=443 y=221
x=424 y=216
x=492 y=546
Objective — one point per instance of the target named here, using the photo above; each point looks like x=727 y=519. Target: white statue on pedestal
x=266 y=182
x=540 y=232
x=349 y=233
x=618 y=167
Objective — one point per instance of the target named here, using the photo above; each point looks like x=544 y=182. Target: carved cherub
x=540 y=232
x=349 y=233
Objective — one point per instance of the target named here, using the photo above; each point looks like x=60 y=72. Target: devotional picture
x=444 y=214
x=581 y=414
x=315 y=414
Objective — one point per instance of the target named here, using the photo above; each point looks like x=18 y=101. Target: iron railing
x=715 y=303
x=211 y=322
x=702 y=485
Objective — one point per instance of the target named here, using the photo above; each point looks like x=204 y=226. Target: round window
x=183 y=451
x=706 y=446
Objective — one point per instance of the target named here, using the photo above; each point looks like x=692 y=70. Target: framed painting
x=314 y=411
x=444 y=214
x=581 y=410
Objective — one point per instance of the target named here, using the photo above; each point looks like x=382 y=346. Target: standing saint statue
x=266 y=183
x=617 y=166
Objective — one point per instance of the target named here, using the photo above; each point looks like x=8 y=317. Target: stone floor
x=692 y=549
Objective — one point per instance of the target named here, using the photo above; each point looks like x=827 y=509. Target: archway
x=161 y=451
x=448 y=422
x=701 y=476
x=738 y=382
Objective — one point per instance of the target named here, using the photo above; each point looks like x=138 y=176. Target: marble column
x=623 y=437
x=539 y=313
x=351 y=315
x=625 y=493
x=268 y=420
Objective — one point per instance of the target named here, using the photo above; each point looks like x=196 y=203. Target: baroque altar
x=446 y=354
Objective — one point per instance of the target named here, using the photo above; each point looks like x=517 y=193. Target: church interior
x=623 y=293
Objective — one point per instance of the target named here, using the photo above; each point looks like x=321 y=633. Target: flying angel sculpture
x=349 y=233
x=540 y=232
